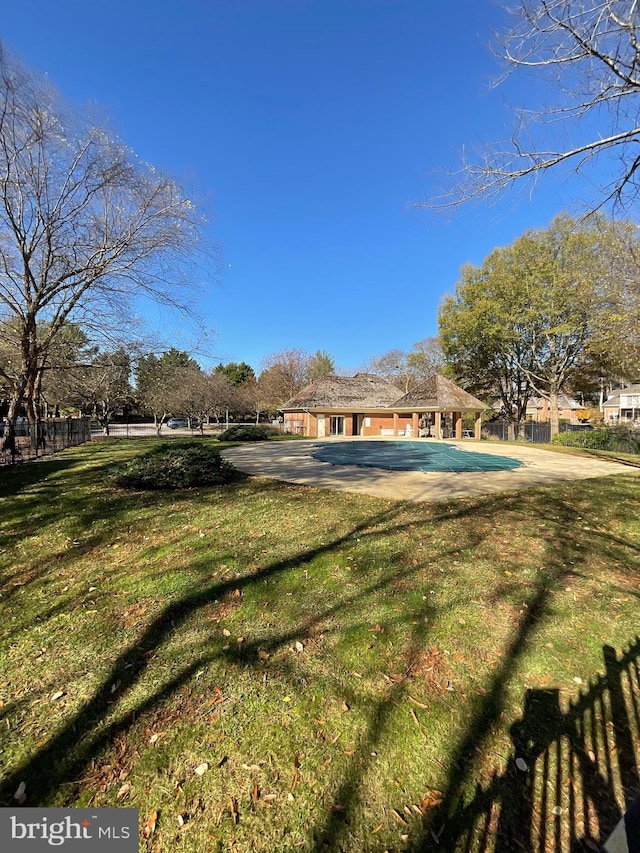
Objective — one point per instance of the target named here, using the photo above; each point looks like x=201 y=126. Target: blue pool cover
x=411 y=456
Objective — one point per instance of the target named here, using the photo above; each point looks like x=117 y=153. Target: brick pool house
x=367 y=405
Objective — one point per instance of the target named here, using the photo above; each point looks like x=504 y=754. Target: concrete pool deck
x=292 y=462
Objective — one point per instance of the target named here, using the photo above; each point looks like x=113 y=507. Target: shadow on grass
x=566 y=776
x=568 y=771
x=511 y=803
x=67 y=753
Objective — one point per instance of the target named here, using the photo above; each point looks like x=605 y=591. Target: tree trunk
x=553 y=409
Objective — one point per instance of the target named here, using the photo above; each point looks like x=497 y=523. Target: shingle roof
x=564 y=402
x=364 y=390
x=614 y=399
x=367 y=391
x=438 y=392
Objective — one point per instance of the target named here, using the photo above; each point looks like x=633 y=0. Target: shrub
x=618 y=439
x=177 y=465
x=247 y=432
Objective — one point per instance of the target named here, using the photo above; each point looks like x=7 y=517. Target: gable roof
x=368 y=391
x=564 y=402
x=614 y=399
x=364 y=390
x=438 y=392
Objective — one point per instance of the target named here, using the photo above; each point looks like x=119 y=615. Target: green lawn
x=273 y=667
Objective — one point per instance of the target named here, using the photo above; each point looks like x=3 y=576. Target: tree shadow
x=516 y=811
x=68 y=752
x=495 y=810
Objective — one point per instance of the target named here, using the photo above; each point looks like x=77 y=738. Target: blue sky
x=309 y=127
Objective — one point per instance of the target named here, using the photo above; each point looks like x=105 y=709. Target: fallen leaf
x=299 y=646
x=149 y=826
x=57 y=695
x=521 y=764
x=201 y=769
x=20 y=795
x=226 y=632
x=262 y=654
x=155 y=737
x=124 y=790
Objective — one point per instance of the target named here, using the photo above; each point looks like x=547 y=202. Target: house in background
x=539 y=409
x=623 y=405
x=367 y=405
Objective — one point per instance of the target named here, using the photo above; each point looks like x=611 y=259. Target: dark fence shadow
x=570 y=776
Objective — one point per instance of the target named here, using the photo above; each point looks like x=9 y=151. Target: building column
x=416 y=428
x=438 y=434
x=478 y=425
x=395 y=424
x=457 y=421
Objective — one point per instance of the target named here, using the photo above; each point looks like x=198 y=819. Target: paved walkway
x=292 y=462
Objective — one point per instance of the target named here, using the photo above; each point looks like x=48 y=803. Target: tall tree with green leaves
x=320 y=364
x=534 y=314
x=237 y=373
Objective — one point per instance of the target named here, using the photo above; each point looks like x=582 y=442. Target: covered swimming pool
x=411 y=456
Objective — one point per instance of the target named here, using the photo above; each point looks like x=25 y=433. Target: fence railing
x=45 y=437
x=571 y=773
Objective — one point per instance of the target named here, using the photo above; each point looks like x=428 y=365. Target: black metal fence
x=526 y=431
x=46 y=437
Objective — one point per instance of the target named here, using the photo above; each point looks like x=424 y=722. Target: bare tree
x=589 y=51
x=84 y=225
x=100 y=388
x=405 y=370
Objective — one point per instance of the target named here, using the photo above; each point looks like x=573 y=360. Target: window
x=336 y=425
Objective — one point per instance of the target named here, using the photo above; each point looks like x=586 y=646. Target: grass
x=273 y=667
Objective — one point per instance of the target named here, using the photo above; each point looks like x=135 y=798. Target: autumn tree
x=586 y=51
x=84 y=225
x=533 y=315
x=286 y=372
